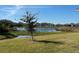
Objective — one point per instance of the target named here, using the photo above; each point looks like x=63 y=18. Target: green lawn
x=61 y=42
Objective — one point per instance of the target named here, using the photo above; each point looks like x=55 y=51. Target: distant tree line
x=8 y=25
x=67 y=27
x=45 y=25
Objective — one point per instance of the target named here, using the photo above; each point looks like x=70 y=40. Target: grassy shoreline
x=37 y=33
x=53 y=43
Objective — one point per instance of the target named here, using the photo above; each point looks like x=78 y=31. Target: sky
x=57 y=14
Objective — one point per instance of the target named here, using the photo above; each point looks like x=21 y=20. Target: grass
x=53 y=43
x=36 y=33
x=2 y=37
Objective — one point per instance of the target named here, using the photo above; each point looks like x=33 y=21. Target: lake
x=22 y=36
x=45 y=29
x=37 y=29
x=40 y=29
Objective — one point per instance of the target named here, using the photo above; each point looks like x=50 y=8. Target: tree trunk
x=32 y=36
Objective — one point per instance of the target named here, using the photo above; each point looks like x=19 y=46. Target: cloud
x=15 y=10
x=10 y=11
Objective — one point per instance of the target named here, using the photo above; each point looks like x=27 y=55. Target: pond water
x=45 y=30
x=40 y=29
x=21 y=36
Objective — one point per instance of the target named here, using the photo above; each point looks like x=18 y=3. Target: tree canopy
x=31 y=21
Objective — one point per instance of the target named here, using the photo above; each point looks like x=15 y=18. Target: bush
x=65 y=29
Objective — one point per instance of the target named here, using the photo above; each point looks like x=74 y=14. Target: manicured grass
x=36 y=33
x=2 y=37
x=61 y=42
x=19 y=33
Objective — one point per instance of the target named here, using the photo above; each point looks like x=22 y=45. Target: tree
x=31 y=22
x=6 y=26
x=20 y=24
